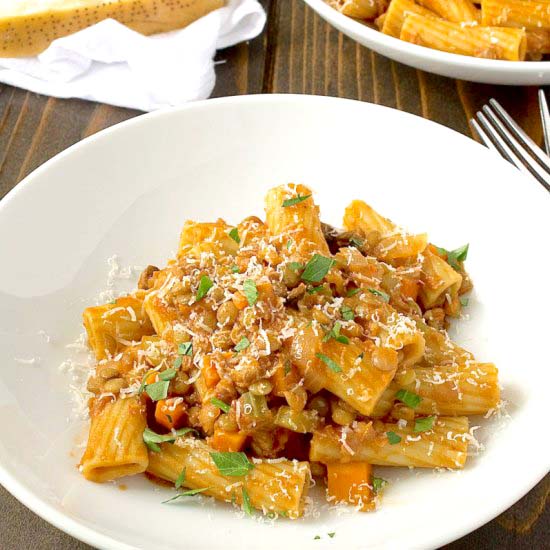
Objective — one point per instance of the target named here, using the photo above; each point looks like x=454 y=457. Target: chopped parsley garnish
x=178 y=362
x=220 y=404
x=353 y=292
x=335 y=333
x=247 y=507
x=409 y=398
x=347 y=313
x=332 y=365
x=380 y=294
x=157 y=390
x=289 y=243
x=180 y=479
x=287 y=367
x=331 y=535
x=357 y=242
x=316 y=537
x=167 y=374
x=424 y=424
x=232 y=464
x=152 y=439
x=454 y=256
x=393 y=438
x=186 y=348
x=250 y=291
x=205 y=284
x=189 y=493
x=317 y=268
x=464 y=302
x=295 y=266
x=378 y=483
x=234 y=268
x=295 y=200
x=243 y=344
x=234 y=234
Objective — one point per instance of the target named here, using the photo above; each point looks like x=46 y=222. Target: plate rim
x=95 y=537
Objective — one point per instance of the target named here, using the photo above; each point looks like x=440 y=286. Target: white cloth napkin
x=110 y=63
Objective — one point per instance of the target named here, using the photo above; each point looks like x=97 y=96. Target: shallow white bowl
x=488 y=71
x=127 y=191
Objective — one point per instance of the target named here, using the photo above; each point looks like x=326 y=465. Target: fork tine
x=520 y=135
x=545 y=118
x=542 y=175
x=499 y=144
x=484 y=137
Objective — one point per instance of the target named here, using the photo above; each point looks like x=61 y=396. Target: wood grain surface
x=297 y=53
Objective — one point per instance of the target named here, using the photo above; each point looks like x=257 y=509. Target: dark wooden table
x=297 y=53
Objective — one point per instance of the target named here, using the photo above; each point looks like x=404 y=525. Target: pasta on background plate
x=268 y=353
x=512 y=30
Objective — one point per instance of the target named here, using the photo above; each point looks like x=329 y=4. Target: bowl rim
x=93 y=536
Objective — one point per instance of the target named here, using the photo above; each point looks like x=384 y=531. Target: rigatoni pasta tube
x=488 y=42
x=445 y=445
x=529 y=14
x=398 y=9
x=357 y=372
x=213 y=238
x=112 y=327
x=456 y=390
x=439 y=280
x=289 y=213
x=538 y=41
x=273 y=486
x=115 y=444
x=458 y=11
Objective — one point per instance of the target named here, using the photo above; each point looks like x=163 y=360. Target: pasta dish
x=269 y=353
x=513 y=30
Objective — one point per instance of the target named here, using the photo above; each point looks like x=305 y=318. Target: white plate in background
x=488 y=71
x=127 y=191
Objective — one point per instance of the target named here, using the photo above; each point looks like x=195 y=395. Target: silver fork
x=499 y=132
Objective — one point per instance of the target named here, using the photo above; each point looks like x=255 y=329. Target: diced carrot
x=409 y=288
x=209 y=372
x=228 y=442
x=170 y=412
x=240 y=300
x=351 y=483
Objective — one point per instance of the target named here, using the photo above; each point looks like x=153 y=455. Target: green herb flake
x=287 y=367
x=289 y=244
x=454 y=256
x=295 y=200
x=178 y=362
x=220 y=404
x=205 y=284
x=410 y=399
x=250 y=291
x=247 y=506
x=335 y=333
x=378 y=484
x=424 y=424
x=157 y=390
x=357 y=242
x=152 y=439
x=464 y=302
x=186 y=348
x=317 y=268
x=380 y=294
x=295 y=266
x=234 y=234
x=167 y=374
x=180 y=479
x=353 y=292
x=242 y=345
x=112 y=302
x=347 y=313
x=189 y=493
x=143 y=382
x=234 y=464
x=332 y=365
x=331 y=535
x=316 y=537
x=393 y=438
x=234 y=269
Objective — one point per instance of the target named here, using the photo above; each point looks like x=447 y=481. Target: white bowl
x=128 y=190
x=488 y=71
